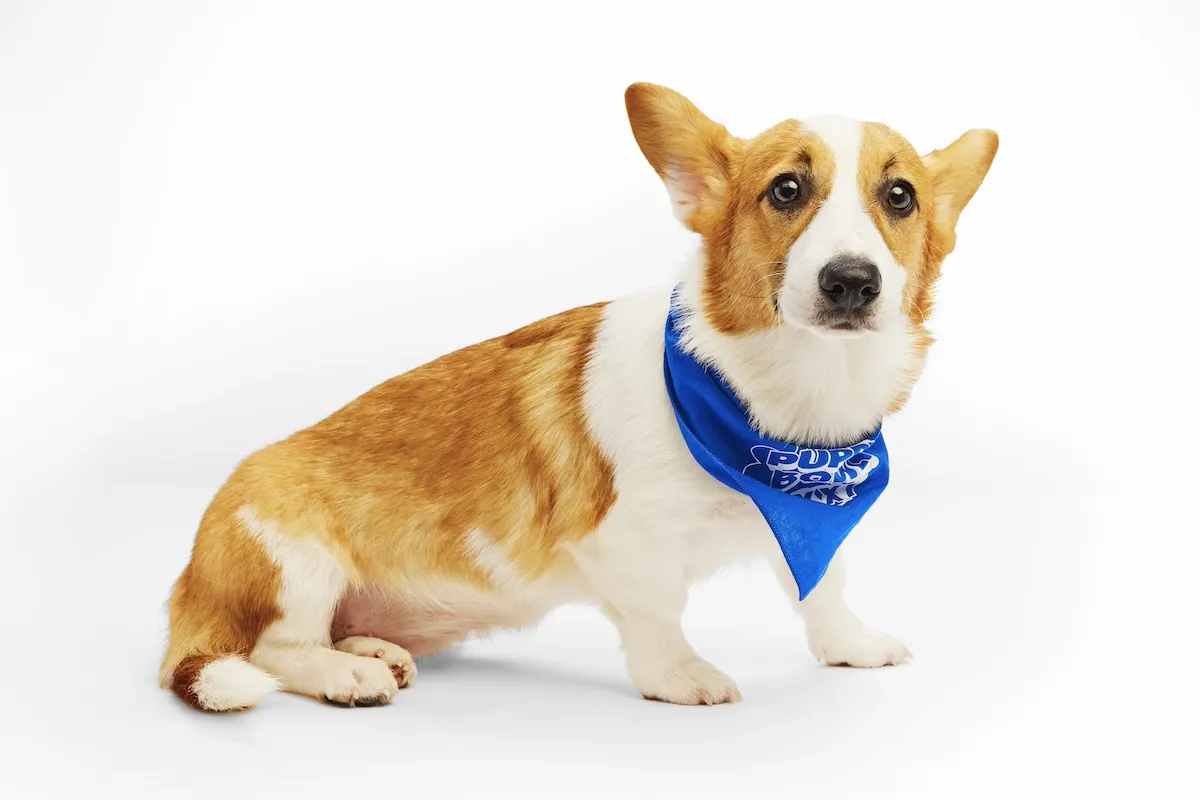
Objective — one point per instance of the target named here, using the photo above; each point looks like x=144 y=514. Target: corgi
x=547 y=466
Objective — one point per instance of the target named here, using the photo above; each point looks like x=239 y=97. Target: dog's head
x=830 y=225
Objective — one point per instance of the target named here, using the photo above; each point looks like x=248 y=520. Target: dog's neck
x=798 y=385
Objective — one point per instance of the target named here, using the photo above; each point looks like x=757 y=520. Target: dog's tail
x=219 y=608
x=220 y=683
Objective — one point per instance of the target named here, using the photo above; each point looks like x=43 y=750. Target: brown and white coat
x=545 y=466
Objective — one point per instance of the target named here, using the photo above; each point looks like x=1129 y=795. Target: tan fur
x=493 y=440
x=745 y=239
x=490 y=437
x=944 y=181
x=224 y=599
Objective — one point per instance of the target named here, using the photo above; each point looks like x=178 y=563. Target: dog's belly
x=429 y=617
x=420 y=627
x=436 y=616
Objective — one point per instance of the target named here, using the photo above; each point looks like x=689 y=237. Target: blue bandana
x=812 y=497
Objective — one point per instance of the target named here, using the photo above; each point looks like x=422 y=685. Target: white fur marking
x=491 y=558
x=311 y=583
x=842 y=226
x=672 y=523
x=798 y=385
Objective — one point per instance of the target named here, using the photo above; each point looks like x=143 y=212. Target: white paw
x=358 y=681
x=857 y=647
x=403 y=668
x=692 y=683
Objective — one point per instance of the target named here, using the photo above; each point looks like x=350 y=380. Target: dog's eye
x=900 y=198
x=786 y=191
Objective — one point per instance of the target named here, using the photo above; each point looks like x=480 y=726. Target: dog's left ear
x=957 y=172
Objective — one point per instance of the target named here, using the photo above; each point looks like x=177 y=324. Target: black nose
x=849 y=282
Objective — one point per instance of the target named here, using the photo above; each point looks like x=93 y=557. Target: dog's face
x=831 y=225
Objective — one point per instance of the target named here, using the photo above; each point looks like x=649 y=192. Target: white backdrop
x=219 y=222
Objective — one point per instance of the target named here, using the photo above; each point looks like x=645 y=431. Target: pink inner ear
x=684 y=190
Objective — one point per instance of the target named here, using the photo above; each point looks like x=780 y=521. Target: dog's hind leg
x=398 y=660
x=297 y=648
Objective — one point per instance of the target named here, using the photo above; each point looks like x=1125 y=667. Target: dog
x=546 y=466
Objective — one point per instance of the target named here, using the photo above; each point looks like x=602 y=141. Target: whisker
x=779 y=267
x=777 y=270
x=912 y=302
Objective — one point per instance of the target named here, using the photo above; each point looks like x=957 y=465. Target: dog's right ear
x=688 y=150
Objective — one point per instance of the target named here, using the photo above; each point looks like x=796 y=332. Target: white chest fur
x=797 y=385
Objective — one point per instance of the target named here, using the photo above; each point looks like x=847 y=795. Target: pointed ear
x=957 y=172
x=688 y=150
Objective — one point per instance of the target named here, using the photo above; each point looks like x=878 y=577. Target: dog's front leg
x=639 y=578
x=836 y=635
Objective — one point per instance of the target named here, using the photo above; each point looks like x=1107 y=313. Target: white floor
x=1028 y=675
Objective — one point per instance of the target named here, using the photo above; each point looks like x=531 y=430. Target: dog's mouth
x=827 y=319
x=843 y=323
